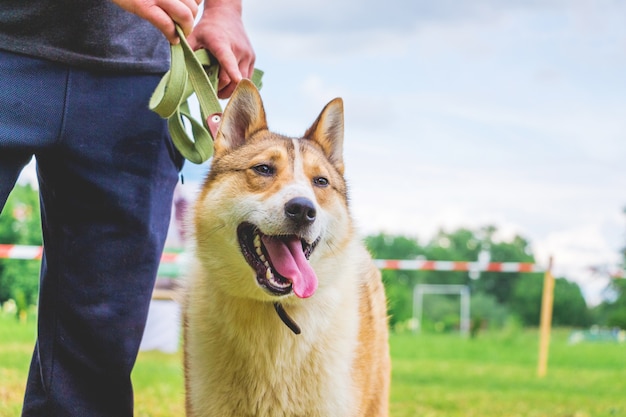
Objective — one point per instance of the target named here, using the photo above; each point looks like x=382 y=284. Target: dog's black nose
x=301 y=210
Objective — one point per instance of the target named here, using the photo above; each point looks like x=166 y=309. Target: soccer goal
x=422 y=289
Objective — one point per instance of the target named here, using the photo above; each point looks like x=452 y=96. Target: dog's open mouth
x=280 y=262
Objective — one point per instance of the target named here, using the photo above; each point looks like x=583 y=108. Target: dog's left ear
x=243 y=116
x=327 y=131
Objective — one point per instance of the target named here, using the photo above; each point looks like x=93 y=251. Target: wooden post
x=546 y=321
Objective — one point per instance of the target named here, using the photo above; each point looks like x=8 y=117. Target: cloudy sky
x=463 y=114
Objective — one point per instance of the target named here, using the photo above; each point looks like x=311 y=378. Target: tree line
x=496 y=298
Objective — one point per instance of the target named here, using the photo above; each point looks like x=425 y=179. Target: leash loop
x=191 y=72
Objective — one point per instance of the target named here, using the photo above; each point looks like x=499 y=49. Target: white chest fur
x=249 y=363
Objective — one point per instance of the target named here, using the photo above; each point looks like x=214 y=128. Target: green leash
x=191 y=72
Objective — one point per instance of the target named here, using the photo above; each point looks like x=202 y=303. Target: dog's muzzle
x=280 y=262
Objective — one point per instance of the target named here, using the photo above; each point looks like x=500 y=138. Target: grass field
x=433 y=376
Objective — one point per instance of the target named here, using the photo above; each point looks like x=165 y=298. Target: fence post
x=545 y=324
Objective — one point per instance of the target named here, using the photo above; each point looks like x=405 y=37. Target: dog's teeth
x=258 y=251
x=262 y=258
x=266 y=263
x=257 y=242
x=268 y=274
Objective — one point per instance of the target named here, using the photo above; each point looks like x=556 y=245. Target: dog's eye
x=264 y=169
x=320 y=181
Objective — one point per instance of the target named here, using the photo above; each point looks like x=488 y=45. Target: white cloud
x=460 y=114
x=576 y=251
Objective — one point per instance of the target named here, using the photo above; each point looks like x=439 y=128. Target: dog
x=285 y=313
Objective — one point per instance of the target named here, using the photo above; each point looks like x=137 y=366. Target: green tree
x=570 y=308
x=20 y=224
x=486 y=312
x=467 y=245
x=613 y=311
x=398 y=284
x=500 y=285
x=617 y=313
x=496 y=294
x=459 y=245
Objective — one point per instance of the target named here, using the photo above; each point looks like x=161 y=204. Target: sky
x=464 y=114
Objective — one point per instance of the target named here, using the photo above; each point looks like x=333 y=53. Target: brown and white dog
x=273 y=234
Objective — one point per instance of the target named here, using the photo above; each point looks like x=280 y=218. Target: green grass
x=433 y=376
x=495 y=375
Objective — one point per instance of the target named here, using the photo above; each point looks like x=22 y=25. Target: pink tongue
x=289 y=261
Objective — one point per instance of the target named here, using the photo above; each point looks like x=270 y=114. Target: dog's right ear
x=244 y=115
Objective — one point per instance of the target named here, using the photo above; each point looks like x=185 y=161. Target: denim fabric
x=107 y=170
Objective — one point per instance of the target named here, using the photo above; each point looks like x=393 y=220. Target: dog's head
x=272 y=206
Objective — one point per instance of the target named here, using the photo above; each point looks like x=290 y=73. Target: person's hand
x=221 y=32
x=163 y=14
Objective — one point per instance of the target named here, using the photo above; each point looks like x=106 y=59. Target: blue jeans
x=107 y=170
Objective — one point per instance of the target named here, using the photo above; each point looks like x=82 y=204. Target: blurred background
x=468 y=125
x=482 y=131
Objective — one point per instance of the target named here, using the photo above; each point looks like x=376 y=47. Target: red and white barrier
x=424 y=265
x=20 y=252
x=35 y=252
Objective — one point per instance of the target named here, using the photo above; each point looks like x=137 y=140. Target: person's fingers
x=192 y=5
x=225 y=86
x=182 y=12
x=227 y=83
x=229 y=71
x=194 y=42
x=163 y=22
x=163 y=13
x=250 y=70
